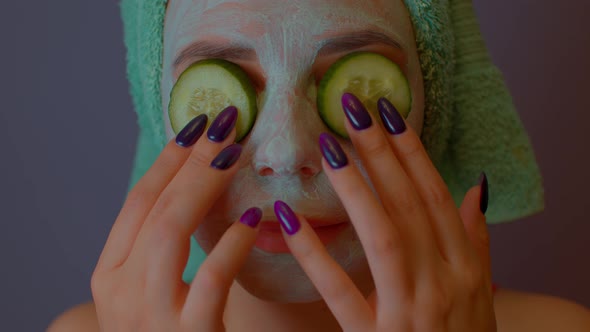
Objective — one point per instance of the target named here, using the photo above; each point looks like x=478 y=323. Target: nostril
x=304 y=171
x=266 y=171
x=307 y=171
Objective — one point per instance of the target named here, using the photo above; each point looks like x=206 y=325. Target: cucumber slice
x=369 y=76
x=209 y=86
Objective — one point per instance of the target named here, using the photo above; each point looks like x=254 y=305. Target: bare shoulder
x=80 y=318
x=520 y=312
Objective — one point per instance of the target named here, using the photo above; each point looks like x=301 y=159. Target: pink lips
x=270 y=237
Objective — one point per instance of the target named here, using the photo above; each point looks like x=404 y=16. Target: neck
x=244 y=312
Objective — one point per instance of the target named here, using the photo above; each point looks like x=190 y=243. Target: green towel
x=470 y=123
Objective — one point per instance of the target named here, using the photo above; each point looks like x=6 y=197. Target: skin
x=281 y=158
x=163 y=261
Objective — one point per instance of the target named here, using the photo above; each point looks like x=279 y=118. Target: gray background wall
x=68 y=133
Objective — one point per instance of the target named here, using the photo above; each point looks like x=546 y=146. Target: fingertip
x=192 y=131
x=227 y=157
x=483 y=197
x=472 y=197
x=392 y=120
x=251 y=217
x=287 y=218
x=332 y=151
x=474 y=220
x=470 y=207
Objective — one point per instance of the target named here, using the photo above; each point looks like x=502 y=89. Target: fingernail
x=332 y=151
x=392 y=120
x=356 y=112
x=227 y=157
x=193 y=130
x=483 y=196
x=251 y=217
x=287 y=217
x=223 y=124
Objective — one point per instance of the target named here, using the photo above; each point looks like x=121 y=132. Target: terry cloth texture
x=470 y=123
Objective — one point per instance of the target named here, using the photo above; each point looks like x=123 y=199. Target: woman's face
x=286 y=47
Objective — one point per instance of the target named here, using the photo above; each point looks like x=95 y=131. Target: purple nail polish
x=227 y=157
x=287 y=217
x=193 y=130
x=392 y=120
x=356 y=112
x=483 y=197
x=223 y=124
x=332 y=151
x=251 y=217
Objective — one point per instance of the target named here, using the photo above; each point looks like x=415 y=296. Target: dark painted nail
x=287 y=217
x=193 y=130
x=332 y=151
x=392 y=120
x=223 y=124
x=356 y=112
x=251 y=217
x=227 y=157
x=483 y=196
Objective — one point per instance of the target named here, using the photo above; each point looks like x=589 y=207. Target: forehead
x=312 y=20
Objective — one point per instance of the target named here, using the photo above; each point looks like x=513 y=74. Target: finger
x=146 y=191
x=382 y=242
x=206 y=299
x=343 y=298
x=395 y=189
x=472 y=213
x=433 y=191
x=162 y=245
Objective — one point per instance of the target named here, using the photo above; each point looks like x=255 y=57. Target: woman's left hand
x=429 y=260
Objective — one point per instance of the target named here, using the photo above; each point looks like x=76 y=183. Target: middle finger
x=395 y=189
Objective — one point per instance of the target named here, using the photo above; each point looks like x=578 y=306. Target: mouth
x=270 y=237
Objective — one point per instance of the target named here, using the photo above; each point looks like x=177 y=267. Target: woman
x=373 y=239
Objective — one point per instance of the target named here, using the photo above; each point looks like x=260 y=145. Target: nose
x=305 y=171
x=285 y=136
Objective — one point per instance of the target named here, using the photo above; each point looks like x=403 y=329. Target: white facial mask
x=281 y=157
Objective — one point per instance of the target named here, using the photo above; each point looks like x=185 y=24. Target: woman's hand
x=137 y=284
x=430 y=262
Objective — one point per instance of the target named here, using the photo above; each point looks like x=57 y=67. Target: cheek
x=208 y=234
x=356 y=160
x=236 y=199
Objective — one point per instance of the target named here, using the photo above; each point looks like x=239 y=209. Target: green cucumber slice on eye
x=369 y=76
x=209 y=86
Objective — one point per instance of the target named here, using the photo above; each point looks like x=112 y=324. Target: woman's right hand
x=137 y=283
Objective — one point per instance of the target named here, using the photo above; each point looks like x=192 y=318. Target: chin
x=287 y=284
x=280 y=278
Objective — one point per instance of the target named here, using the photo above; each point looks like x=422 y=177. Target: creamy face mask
x=286 y=47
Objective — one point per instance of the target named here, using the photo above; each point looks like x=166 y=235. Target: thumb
x=472 y=213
